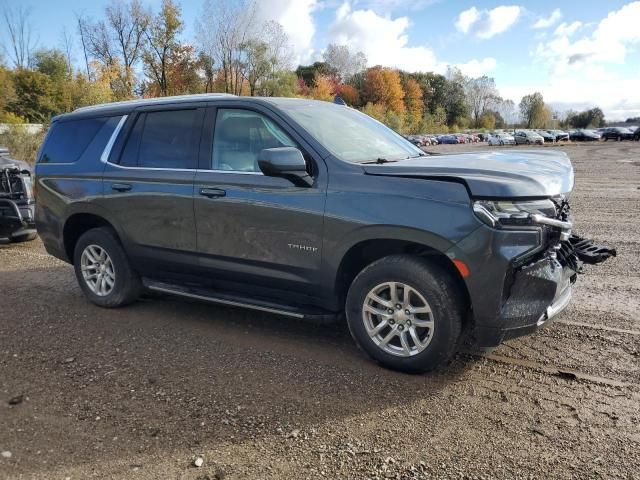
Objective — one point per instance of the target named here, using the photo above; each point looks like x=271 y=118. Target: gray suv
x=311 y=210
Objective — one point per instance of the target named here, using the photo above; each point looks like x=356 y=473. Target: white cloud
x=608 y=43
x=547 y=22
x=565 y=93
x=382 y=39
x=567 y=29
x=467 y=18
x=296 y=18
x=477 y=68
x=485 y=24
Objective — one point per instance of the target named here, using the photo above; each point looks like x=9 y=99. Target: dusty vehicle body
x=17 y=203
x=311 y=210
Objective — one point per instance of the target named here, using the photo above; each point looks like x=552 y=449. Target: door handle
x=212 y=192
x=120 y=187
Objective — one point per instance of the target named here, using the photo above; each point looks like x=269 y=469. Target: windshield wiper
x=379 y=161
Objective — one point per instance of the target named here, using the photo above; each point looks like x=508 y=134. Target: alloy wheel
x=97 y=270
x=398 y=319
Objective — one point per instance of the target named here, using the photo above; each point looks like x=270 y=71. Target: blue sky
x=577 y=53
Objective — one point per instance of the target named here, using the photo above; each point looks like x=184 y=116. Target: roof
x=124 y=107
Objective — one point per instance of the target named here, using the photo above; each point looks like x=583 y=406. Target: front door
x=255 y=230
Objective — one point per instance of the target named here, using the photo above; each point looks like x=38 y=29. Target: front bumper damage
x=537 y=285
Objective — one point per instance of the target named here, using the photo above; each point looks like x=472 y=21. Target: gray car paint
x=243 y=239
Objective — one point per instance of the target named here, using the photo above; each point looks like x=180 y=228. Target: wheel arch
x=367 y=251
x=79 y=223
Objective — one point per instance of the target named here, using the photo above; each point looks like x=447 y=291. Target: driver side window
x=239 y=137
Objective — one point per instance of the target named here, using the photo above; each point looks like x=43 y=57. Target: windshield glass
x=349 y=134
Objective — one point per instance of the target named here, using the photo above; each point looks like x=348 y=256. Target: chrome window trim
x=104 y=158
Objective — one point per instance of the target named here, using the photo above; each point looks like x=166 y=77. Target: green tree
x=308 y=72
x=593 y=117
x=532 y=109
x=52 y=63
x=280 y=84
x=33 y=100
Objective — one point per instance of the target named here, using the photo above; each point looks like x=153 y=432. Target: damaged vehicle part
x=17 y=202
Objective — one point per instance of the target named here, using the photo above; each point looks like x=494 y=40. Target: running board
x=233 y=300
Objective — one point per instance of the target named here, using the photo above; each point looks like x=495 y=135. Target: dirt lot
x=141 y=392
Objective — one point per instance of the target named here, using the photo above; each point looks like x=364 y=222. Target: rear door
x=255 y=230
x=148 y=185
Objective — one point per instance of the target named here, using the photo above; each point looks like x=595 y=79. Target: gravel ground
x=151 y=390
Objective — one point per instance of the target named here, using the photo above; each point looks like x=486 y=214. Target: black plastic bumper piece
x=589 y=252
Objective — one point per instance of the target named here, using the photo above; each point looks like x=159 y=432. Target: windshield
x=349 y=134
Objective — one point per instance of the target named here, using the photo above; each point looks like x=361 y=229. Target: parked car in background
x=528 y=137
x=636 y=134
x=560 y=135
x=583 y=135
x=17 y=202
x=501 y=139
x=415 y=139
x=617 y=133
x=278 y=205
x=548 y=137
x=448 y=139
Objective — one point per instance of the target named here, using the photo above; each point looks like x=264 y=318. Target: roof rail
x=154 y=100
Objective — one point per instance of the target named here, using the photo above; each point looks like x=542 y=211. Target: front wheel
x=405 y=313
x=103 y=270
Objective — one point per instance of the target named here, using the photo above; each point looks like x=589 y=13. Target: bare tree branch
x=22 y=43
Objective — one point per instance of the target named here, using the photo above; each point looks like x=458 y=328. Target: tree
x=308 y=72
x=349 y=94
x=375 y=110
x=345 y=62
x=481 y=93
x=207 y=64
x=21 y=41
x=221 y=30
x=117 y=41
x=487 y=121
x=592 y=117
x=383 y=86
x=414 y=104
x=162 y=44
x=323 y=88
x=280 y=84
x=265 y=56
x=52 y=63
x=33 y=96
x=532 y=109
x=394 y=92
x=7 y=94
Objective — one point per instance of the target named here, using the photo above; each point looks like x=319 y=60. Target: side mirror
x=285 y=162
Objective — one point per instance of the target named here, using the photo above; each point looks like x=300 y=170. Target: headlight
x=506 y=213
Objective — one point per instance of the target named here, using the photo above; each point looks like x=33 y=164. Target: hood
x=492 y=174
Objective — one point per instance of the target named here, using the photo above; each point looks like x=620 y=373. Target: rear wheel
x=103 y=270
x=405 y=313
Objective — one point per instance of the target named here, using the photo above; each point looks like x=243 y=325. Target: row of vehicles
x=529 y=137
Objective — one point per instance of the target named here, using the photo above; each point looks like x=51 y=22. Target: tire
x=26 y=237
x=528 y=142
x=429 y=284
x=502 y=144
x=126 y=284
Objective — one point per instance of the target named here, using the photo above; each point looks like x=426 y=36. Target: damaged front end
x=541 y=284
x=16 y=202
x=538 y=275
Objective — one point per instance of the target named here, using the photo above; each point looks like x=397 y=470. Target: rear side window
x=69 y=142
x=167 y=139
